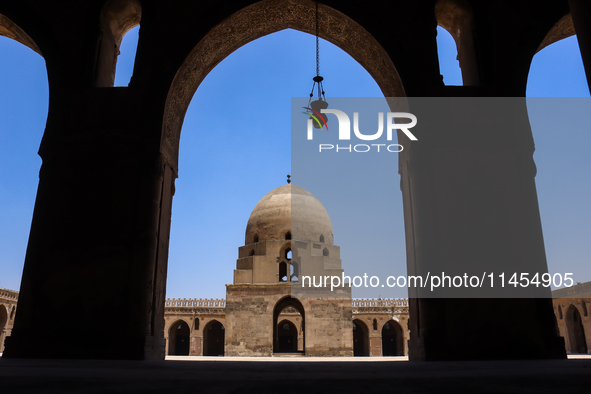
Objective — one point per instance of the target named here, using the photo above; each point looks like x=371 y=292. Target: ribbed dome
x=291 y=209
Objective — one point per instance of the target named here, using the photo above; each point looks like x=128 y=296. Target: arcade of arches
x=106 y=147
x=263 y=319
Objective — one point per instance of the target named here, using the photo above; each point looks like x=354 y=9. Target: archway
x=213 y=339
x=3 y=321
x=280 y=336
x=360 y=338
x=23 y=116
x=287 y=337
x=271 y=16
x=178 y=339
x=392 y=339
x=575 y=331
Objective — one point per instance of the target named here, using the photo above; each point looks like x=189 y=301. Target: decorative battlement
x=196 y=302
x=8 y=294
x=387 y=302
x=221 y=303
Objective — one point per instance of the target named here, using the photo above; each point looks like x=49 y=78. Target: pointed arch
x=392 y=339
x=11 y=30
x=575 y=331
x=456 y=16
x=214 y=337
x=255 y=21
x=360 y=338
x=116 y=19
x=179 y=338
x=283 y=303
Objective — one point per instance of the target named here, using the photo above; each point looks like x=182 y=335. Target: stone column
x=95 y=267
x=470 y=204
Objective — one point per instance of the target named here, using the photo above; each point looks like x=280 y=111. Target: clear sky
x=244 y=104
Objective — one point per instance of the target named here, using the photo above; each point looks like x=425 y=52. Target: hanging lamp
x=319 y=120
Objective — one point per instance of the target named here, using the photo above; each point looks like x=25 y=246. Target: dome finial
x=288 y=179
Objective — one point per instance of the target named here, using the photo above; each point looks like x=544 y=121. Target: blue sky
x=220 y=182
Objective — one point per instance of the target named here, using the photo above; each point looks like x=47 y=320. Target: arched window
x=14 y=310
x=288 y=253
x=196 y=324
x=375 y=324
x=321 y=238
x=118 y=17
x=584 y=307
x=251 y=252
x=325 y=252
x=282 y=272
x=447 y=52
x=559 y=312
x=288 y=235
x=256 y=238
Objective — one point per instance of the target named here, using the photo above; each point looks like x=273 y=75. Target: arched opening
x=282 y=22
x=24 y=106
x=448 y=55
x=126 y=58
x=360 y=338
x=196 y=324
x=287 y=337
x=178 y=339
x=455 y=35
x=293 y=272
x=325 y=252
x=559 y=312
x=392 y=344
x=117 y=18
x=575 y=331
x=3 y=322
x=292 y=308
x=288 y=235
x=213 y=339
x=321 y=239
x=375 y=324
x=251 y=252
x=584 y=308
x=557 y=70
x=282 y=272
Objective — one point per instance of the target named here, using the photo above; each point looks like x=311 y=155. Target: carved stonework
x=256 y=21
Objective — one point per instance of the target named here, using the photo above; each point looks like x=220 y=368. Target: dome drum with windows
x=288 y=234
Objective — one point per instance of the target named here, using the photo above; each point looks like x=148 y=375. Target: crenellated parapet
x=8 y=295
x=388 y=305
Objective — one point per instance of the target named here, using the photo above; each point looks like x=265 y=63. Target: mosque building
x=267 y=310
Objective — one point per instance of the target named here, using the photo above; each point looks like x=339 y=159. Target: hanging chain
x=317 y=46
x=317 y=79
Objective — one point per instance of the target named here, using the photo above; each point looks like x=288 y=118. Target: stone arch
x=456 y=16
x=3 y=323
x=562 y=29
x=116 y=19
x=255 y=21
x=179 y=338
x=213 y=338
x=575 y=330
x=283 y=303
x=360 y=338
x=11 y=30
x=287 y=337
x=392 y=339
